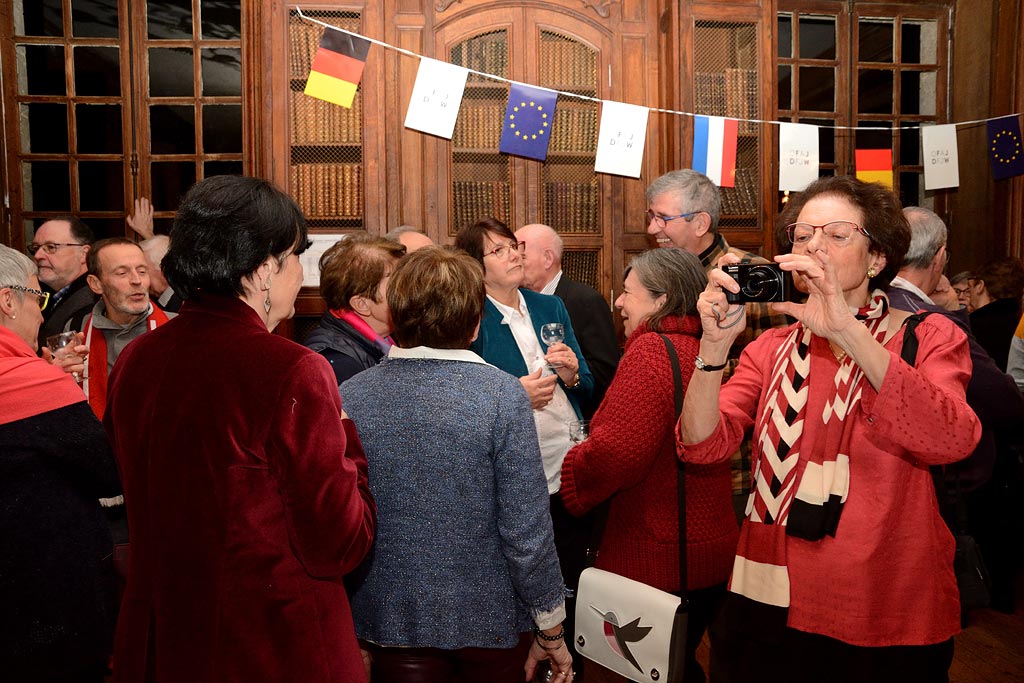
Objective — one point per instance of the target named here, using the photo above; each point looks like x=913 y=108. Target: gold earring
x=872 y=272
x=266 y=302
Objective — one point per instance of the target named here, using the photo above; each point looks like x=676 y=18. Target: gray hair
x=156 y=247
x=15 y=269
x=927 y=236
x=395 y=233
x=692 y=189
x=674 y=272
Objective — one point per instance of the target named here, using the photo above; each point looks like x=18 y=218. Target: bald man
x=410 y=237
x=588 y=311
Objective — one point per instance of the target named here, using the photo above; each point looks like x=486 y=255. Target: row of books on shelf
x=328 y=190
x=479 y=125
x=473 y=200
x=571 y=207
x=566 y=64
x=575 y=129
x=742 y=199
x=732 y=93
x=488 y=53
x=315 y=122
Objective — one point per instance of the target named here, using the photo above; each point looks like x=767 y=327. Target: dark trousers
x=753 y=643
x=433 y=665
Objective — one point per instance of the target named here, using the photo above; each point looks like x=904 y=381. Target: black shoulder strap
x=677 y=381
x=910 y=343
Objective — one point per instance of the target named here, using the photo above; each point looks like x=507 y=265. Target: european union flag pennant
x=528 y=119
x=1004 y=147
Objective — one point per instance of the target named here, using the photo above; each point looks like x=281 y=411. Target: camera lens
x=761 y=283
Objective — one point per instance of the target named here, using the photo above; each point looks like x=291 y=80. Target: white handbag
x=629 y=627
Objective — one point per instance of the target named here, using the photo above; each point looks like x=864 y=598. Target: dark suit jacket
x=595 y=331
x=73 y=306
x=247 y=501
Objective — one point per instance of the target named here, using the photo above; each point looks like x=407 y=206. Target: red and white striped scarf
x=801 y=459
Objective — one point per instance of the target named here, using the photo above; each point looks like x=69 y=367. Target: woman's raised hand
x=825 y=312
x=721 y=321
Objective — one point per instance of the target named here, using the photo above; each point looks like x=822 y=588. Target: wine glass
x=551 y=334
x=60 y=341
x=579 y=430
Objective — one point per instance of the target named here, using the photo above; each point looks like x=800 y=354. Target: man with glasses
x=683 y=208
x=59 y=249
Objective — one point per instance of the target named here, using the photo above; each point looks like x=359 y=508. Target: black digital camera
x=758 y=282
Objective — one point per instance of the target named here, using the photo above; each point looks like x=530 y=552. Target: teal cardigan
x=496 y=345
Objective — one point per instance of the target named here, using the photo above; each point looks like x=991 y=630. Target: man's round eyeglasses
x=838 y=232
x=661 y=221
x=49 y=247
x=500 y=251
x=43 y=297
x=961 y=291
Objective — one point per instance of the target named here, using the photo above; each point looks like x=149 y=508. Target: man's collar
x=552 y=284
x=718 y=247
x=903 y=283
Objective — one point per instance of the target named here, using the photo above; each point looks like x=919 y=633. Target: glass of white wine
x=551 y=334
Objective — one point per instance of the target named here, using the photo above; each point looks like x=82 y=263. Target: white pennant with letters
x=941 y=162
x=436 y=98
x=620 y=141
x=798 y=156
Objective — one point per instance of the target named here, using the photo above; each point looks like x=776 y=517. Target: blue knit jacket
x=464 y=552
x=496 y=345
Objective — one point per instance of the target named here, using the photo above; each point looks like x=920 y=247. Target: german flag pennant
x=874 y=166
x=337 y=67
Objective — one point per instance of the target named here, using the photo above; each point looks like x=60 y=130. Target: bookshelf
x=325 y=164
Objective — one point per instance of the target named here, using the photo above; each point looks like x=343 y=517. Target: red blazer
x=247 y=502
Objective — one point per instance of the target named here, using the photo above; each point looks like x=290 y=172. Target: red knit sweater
x=630 y=458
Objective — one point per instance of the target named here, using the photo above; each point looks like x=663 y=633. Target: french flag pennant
x=714 y=149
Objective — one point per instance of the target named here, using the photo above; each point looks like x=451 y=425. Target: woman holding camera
x=844 y=569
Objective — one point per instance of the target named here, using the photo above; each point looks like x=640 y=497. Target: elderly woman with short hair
x=244 y=483
x=57 y=588
x=630 y=458
x=353 y=333
x=464 y=564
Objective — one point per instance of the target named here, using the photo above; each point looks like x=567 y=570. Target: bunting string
x=660 y=110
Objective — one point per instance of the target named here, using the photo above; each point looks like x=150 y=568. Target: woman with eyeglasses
x=245 y=484
x=844 y=568
x=57 y=587
x=555 y=379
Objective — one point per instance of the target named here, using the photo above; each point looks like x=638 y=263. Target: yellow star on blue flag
x=528 y=119
x=1005 y=147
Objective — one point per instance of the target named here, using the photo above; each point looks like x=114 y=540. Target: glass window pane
x=910 y=148
x=870 y=135
x=817 y=88
x=172 y=129
x=817 y=37
x=46 y=186
x=162 y=226
x=212 y=168
x=874 y=91
x=106 y=227
x=222 y=71
x=826 y=139
x=39 y=18
x=171 y=180
x=98 y=127
x=101 y=185
x=911 y=190
x=221 y=19
x=44 y=128
x=917 y=93
x=785 y=35
x=44 y=70
x=169 y=18
x=919 y=44
x=222 y=128
x=97 y=71
x=94 y=19
x=876 y=40
x=171 y=72
x=785 y=90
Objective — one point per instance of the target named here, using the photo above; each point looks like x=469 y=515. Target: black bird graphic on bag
x=618 y=636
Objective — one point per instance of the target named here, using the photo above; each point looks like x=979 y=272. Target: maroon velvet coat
x=244 y=507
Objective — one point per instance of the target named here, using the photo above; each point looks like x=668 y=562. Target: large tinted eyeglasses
x=838 y=232
x=43 y=297
x=660 y=220
x=49 y=247
x=503 y=249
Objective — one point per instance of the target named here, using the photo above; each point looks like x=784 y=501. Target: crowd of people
x=412 y=493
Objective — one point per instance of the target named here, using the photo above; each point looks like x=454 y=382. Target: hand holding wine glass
x=551 y=334
x=68 y=352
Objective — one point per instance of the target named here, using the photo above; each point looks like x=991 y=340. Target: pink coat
x=247 y=502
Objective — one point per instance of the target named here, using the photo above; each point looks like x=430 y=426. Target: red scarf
x=363 y=328
x=28 y=384
x=95 y=381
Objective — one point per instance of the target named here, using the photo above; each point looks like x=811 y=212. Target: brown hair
x=884 y=221
x=436 y=297
x=471 y=238
x=92 y=258
x=354 y=267
x=1003 y=277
